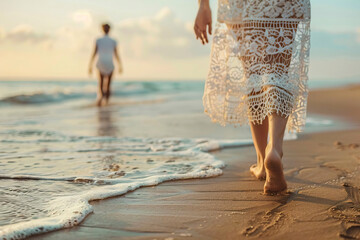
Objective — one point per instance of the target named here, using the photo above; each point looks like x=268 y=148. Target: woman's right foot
x=275 y=180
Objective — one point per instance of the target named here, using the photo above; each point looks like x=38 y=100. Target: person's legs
x=100 y=93
x=275 y=180
x=107 y=90
x=259 y=62
x=259 y=134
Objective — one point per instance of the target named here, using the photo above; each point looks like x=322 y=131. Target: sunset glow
x=54 y=39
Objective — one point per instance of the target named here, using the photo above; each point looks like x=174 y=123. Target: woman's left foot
x=258 y=171
x=99 y=101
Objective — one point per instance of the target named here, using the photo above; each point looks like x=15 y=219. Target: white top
x=106 y=46
x=105 y=49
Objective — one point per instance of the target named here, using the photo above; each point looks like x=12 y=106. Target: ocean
x=59 y=151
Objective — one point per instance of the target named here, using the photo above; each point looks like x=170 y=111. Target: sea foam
x=187 y=158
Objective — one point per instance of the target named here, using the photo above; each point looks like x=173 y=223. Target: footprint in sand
x=341 y=146
x=352 y=232
x=353 y=193
x=349 y=212
x=265 y=223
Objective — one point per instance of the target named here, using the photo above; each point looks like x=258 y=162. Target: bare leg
x=276 y=63
x=275 y=180
x=259 y=134
x=100 y=93
x=107 y=91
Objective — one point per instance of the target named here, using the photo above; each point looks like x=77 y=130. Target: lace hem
x=272 y=100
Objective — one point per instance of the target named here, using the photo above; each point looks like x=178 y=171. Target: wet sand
x=232 y=206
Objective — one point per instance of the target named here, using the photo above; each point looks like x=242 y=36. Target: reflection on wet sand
x=106 y=123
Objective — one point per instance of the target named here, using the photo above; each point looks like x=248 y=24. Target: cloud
x=77 y=36
x=80 y=34
x=72 y=39
x=84 y=17
x=162 y=35
x=24 y=34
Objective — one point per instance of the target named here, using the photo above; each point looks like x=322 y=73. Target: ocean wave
x=177 y=159
x=60 y=92
x=40 y=98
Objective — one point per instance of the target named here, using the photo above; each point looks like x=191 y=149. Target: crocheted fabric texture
x=259 y=62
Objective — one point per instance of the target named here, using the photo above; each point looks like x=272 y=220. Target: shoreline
x=231 y=206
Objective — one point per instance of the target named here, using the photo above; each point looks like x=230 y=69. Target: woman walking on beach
x=106 y=48
x=258 y=74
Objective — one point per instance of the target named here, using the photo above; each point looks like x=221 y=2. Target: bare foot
x=98 y=101
x=258 y=171
x=275 y=181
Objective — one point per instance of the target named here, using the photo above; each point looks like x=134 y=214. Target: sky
x=53 y=39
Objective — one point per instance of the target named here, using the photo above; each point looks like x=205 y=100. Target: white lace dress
x=259 y=62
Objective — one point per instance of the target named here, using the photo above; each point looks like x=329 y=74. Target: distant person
x=105 y=48
x=258 y=74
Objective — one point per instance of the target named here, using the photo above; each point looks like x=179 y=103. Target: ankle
x=260 y=157
x=273 y=148
x=273 y=160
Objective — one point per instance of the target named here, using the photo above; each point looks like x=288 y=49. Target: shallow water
x=59 y=150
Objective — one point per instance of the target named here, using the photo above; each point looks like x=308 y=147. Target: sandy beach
x=232 y=206
x=126 y=120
